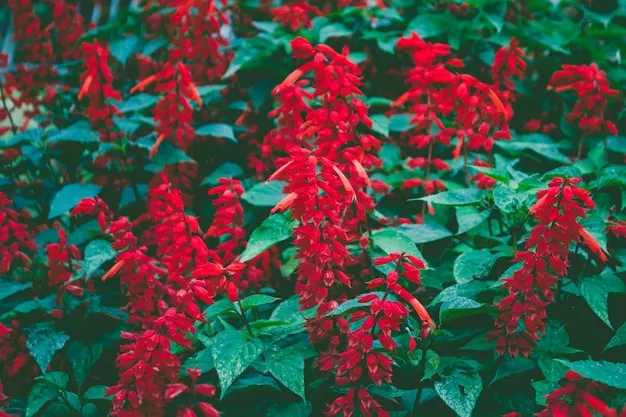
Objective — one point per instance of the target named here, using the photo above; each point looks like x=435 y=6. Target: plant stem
x=420 y=385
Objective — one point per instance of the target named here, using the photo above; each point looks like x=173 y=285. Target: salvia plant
x=276 y=208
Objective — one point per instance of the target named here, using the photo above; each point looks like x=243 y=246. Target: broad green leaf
x=539 y=144
x=226 y=170
x=472 y=264
x=96 y=392
x=153 y=45
x=123 y=48
x=269 y=27
x=390 y=154
x=460 y=392
x=497 y=174
x=45 y=391
x=512 y=366
x=232 y=354
x=596 y=294
x=507 y=200
x=97 y=253
x=469 y=217
x=288 y=368
x=612 y=374
x=334 y=30
x=83 y=357
x=78 y=132
x=393 y=241
x=469 y=290
x=618 y=339
x=137 y=102
x=455 y=197
x=458 y=307
x=400 y=122
x=219 y=307
x=597 y=228
x=424 y=233
x=300 y=409
x=9 y=286
x=428 y=25
x=43 y=341
x=69 y=196
x=44 y=304
x=218 y=130
x=30 y=136
x=265 y=194
x=555 y=340
x=380 y=125
x=273 y=230
x=256 y=300
x=252 y=381
x=617 y=144
x=203 y=361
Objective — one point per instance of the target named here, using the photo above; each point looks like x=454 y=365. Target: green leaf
x=77 y=132
x=123 y=48
x=288 y=367
x=69 y=196
x=610 y=373
x=256 y=300
x=203 y=361
x=233 y=354
x=390 y=155
x=596 y=226
x=392 y=241
x=9 y=286
x=539 y=144
x=153 y=45
x=218 y=130
x=334 y=30
x=507 y=200
x=472 y=264
x=497 y=174
x=96 y=392
x=428 y=25
x=274 y=229
x=83 y=357
x=618 y=339
x=41 y=394
x=513 y=366
x=242 y=57
x=469 y=217
x=218 y=308
x=400 y=122
x=424 y=233
x=265 y=194
x=380 y=125
x=43 y=340
x=596 y=294
x=455 y=197
x=269 y=27
x=30 y=136
x=460 y=392
x=137 y=102
x=458 y=307
x=97 y=253
x=226 y=170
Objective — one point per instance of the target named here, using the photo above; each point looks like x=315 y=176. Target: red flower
x=16 y=244
x=295 y=15
x=578 y=397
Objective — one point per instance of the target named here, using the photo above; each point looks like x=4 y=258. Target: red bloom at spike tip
x=62 y=260
x=16 y=243
x=577 y=397
x=296 y=15
x=69 y=27
x=593 y=93
x=544 y=260
x=97 y=87
x=508 y=64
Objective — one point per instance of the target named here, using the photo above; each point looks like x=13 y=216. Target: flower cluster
x=16 y=243
x=295 y=15
x=17 y=367
x=69 y=28
x=530 y=289
x=578 y=397
x=508 y=64
x=97 y=86
x=593 y=93
x=173 y=113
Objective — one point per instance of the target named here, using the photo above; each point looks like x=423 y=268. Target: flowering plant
x=326 y=208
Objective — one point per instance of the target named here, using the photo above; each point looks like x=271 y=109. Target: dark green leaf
x=43 y=341
x=400 y=122
x=265 y=194
x=203 y=361
x=219 y=307
x=596 y=294
x=226 y=170
x=455 y=197
x=609 y=373
x=507 y=200
x=123 y=48
x=497 y=174
x=137 y=102
x=274 y=229
x=380 y=125
x=458 y=307
x=96 y=392
x=539 y=144
x=469 y=217
x=393 y=241
x=472 y=264
x=30 y=136
x=9 y=286
x=424 y=233
x=334 y=30
x=288 y=368
x=256 y=300
x=513 y=366
x=218 y=130
x=428 y=25
x=83 y=357
x=232 y=355
x=460 y=392
x=618 y=339
x=78 y=132
x=69 y=196
x=97 y=253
